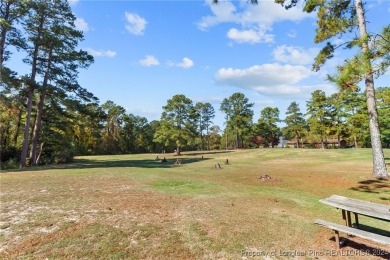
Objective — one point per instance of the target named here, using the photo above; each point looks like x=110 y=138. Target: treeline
x=47 y=117
x=71 y=127
x=340 y=116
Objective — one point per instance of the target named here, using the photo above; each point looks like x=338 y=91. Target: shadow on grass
x=379 y=231
x=143 y=163
x=374 y=186
x=362 y=248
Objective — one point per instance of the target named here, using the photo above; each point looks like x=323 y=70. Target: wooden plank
x=356 y=232
x=337 y=236
x=370 y=209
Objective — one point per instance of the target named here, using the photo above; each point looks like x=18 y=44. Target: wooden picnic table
x=350 y=206
x=358 y=207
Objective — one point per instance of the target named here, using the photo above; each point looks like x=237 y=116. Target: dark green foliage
x=320 y=119
x=203 y=113
x=383 y=101
x=267 y=126
x=335 y=17
x=9 y=153
x=137 y=134
x=238 y=114
x=9 y=157
x=296 y=125
x=177 y=123
x=56 y=156
x=325 y=54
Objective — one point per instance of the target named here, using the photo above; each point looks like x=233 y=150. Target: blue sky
x=147 y=51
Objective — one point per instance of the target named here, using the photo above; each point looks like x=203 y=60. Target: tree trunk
x=39 y=154
x=23 y=156
x=19 y=123
x=37 y=127
x=236 y=145
x=31 y=88
x=355 y=141
x=201 y=134
x=226 y=137
x=178 y=151
x=4 y=33
x=5 y=137
x=201 y=142
x=379 y=165
x=38 y=120
x=208 y=138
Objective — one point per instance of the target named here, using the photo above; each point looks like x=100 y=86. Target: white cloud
x=295 y=55
x=266 y=74
x=273 y=80
x=264 y=13
x=102 y=53
x=186 y=63
x=222 y=12
x=135 y=23
x=289 y=91
x=149 y=61
x=81 y=25
x=73 y=2
x=250 y=36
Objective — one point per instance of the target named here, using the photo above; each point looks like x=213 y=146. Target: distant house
x=317 y=144
x=283 y=142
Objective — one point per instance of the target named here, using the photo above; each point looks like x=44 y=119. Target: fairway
x=136 y=207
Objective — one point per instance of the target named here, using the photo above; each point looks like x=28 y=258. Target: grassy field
x=133 y=207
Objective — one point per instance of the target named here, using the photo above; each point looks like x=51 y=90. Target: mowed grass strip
x=136 y=207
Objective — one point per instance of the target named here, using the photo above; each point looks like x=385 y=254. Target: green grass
x=186 y=187
x=133 y=207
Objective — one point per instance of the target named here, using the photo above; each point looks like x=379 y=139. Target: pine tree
x=295 y=122
x=176 y=123
x=239 y=116
x=337 y=18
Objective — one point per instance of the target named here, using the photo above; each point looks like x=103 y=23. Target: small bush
x=51 y=156
x=10 y=164
x=63 y=156
x=10 y=158
x=9 y=153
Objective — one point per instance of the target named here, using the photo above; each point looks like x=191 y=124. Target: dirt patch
x=186 y=212
x=268 y=178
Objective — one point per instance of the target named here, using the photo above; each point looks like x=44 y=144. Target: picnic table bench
x=350 y=206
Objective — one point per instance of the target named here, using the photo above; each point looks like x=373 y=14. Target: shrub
x=63 y=156
x=56 y=156
x=9 y=153
x=10 y=164
x=10 y=158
